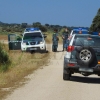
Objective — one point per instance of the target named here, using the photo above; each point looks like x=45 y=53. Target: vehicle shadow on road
x=42 y=52
x=57 y=51
x=90 y=80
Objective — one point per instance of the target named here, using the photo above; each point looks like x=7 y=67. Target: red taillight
x=70 y=48
x=71 y=64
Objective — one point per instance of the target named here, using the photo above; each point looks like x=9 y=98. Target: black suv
x=82 y=56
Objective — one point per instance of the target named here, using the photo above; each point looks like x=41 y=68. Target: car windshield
x=87 y=41
x=32 y=35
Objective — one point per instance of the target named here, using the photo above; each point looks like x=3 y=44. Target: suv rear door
x=84 y=42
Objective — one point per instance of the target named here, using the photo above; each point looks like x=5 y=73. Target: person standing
x=65 y=35
x=55 y=40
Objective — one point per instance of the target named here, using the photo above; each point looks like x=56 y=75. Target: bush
x=4 y=58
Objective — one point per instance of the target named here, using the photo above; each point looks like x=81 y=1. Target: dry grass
x=22 y=65
x=3 y=37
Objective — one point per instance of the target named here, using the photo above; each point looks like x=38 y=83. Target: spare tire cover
x=84 y=55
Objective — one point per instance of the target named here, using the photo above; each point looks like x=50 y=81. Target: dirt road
x=47 y=84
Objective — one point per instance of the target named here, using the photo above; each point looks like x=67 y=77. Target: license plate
x=33 y=48
x=86 y=69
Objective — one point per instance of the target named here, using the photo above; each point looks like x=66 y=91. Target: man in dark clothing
x=55 y=40
x=65 y=38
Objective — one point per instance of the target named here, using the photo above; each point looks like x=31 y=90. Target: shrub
x=4 y=58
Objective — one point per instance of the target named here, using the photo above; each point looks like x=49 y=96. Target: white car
x=33 y=40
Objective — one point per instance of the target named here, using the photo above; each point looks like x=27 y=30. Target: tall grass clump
x=4 y=59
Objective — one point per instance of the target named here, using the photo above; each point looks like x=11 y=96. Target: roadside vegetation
x=4 y=58
x=95 y=26
x=15 y=65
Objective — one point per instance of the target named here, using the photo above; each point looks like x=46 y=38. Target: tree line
x=15 y=27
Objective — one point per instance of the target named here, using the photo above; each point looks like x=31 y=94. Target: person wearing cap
x=55 y=40
x=65 y=38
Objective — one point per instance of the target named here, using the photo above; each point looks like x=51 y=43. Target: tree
x=24 y=25
x=43 y=28
x=98 y=13
x=95 y=26
x=47 y=25
x=37 y=24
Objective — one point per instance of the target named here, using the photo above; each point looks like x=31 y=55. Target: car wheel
x=66 y=76
x=98 y=74
x=43 y=51
x=85 y=55
x=32 y=51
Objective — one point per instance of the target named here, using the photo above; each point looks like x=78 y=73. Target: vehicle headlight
x=24 y=43
x=41 y=42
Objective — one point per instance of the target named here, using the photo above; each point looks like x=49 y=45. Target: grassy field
x=22 y=65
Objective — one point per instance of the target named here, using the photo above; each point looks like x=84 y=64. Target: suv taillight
x=70 y=48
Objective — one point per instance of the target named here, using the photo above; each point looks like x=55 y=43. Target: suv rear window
x=87 y=41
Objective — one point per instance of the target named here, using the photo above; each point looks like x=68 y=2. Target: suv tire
x=84 y=55
x=66 y=76
x=44 y=51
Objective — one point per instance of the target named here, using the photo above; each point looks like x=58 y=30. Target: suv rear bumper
x=78 y=69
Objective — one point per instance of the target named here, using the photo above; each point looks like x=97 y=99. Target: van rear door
x=14 y=42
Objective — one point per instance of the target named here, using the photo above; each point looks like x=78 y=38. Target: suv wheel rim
x=85 y=55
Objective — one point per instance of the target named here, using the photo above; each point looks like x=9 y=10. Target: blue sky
x=53 y=12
